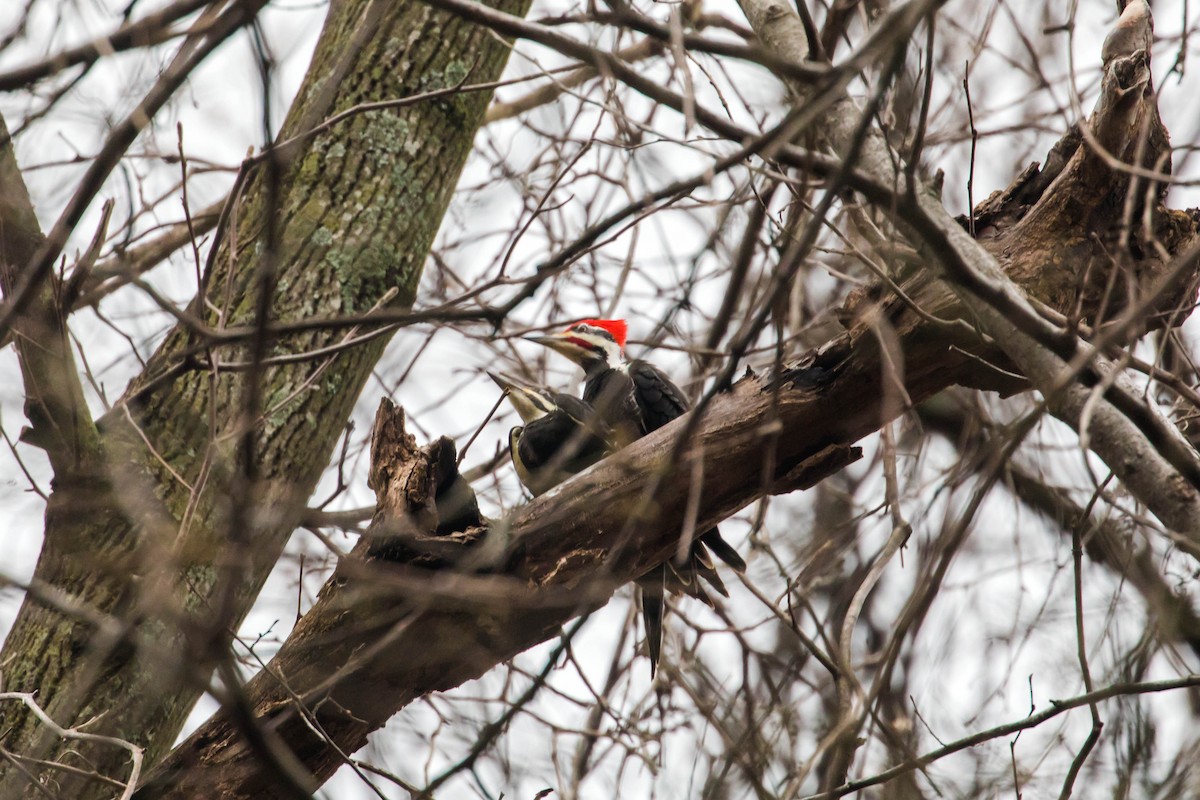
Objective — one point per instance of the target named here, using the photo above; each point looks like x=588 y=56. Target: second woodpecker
x=635 y=398
x=561 y=436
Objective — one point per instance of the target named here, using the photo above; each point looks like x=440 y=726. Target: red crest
x=616 y=327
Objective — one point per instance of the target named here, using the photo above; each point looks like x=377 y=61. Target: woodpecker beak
x=529 y=403
x=503 y=383
x=561 y=343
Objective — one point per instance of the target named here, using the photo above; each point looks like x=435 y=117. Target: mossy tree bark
x=203 y=468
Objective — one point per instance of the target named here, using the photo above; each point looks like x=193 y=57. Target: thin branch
x=135 y=752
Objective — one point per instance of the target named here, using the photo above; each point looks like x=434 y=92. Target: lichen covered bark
x=173 y=526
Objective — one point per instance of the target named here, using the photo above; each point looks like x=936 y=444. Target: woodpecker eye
x=591 y=330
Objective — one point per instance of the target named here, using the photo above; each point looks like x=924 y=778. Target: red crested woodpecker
x=634 y=398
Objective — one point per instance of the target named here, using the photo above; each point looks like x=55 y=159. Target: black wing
x=611 y=393
x=597 y=435
x=561 y=441
x=659 y=400
x=583 y=414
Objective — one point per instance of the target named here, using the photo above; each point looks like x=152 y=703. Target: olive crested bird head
x=531 y=404
x=561 y=436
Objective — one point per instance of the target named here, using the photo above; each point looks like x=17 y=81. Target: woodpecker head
x=589 y=343
x=530 y=403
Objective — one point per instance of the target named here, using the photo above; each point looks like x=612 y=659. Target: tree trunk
x=159 y=528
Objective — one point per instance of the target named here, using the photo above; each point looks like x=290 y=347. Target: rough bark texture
x=164 y=534
x=54 y=404
x=1091 y=241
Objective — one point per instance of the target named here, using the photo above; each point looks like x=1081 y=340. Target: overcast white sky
x=992 y=628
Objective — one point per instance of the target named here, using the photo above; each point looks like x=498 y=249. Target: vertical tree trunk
x=178 y=523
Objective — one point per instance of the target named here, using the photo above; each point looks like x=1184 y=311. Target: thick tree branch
x=1051 y=248
x=383 y=634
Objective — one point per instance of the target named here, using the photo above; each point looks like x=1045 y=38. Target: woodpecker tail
x=696 y=573
x=723 y=550
x=652 y=588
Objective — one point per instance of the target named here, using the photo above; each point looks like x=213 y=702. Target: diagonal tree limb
x=825 y=402
x=569 y=548
x=383 y=634
x=1152 y=459
x=54 y=402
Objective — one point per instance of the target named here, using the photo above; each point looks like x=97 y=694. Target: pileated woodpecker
x=561 y=436
x=634 y=397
